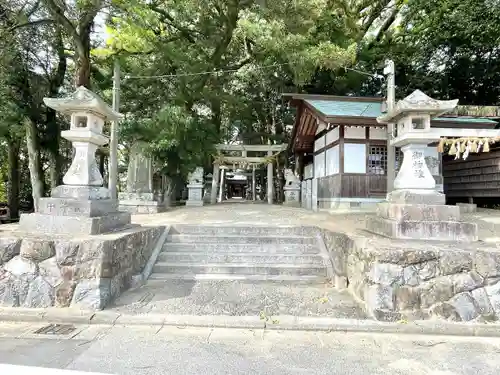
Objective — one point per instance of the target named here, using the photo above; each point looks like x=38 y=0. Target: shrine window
x=377 y=160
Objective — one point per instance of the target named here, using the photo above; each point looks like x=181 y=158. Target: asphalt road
x=149 y=350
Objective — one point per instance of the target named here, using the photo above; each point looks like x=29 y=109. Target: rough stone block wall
x=415 y=280
x=86 y=273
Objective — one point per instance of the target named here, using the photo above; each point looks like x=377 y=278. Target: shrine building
x=341 y=151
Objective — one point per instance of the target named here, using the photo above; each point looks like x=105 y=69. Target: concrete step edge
x=222 y=276
x=262 y=254
x=240 y=265
x=298 y=246
x=187 y=235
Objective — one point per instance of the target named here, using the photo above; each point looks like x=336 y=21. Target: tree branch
x=67 y=25
x=246 y=60
x=184 y=31
x=88 y=17
x=387 y=23
x=31 y=23
x=57 y=78
x=374 y=14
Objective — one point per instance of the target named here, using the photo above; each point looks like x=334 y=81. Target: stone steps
x=240 y=257
x=212 y=230
x=236 y=248
x=254 y=254
x=230 y=239
x=240 y=269
x=294 y=280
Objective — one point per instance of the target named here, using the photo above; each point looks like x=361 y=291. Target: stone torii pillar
x=270 y=185
x=215 y=182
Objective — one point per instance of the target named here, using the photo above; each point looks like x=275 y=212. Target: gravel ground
x=236 y=298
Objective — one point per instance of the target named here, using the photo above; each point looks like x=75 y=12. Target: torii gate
x=224 y=160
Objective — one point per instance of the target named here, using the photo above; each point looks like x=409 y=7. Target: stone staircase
x=283 y=254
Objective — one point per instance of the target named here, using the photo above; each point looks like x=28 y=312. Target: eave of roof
x=364 y=109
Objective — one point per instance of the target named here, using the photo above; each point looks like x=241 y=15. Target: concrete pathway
x=150 y=351
x=264 y=214
x=234 y=298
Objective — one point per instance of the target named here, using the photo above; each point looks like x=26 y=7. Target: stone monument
x=208 y=188
x=291 y=189
x=195 y=188
x=139 y=197
x=82 y=205
x=415 y=209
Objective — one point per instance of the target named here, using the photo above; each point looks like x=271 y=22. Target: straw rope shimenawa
x=461 y=147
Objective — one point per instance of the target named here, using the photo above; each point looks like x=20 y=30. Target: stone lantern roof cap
x=418 y=103
x=83 y=100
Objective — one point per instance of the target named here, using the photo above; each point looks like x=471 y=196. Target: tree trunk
x=53 y=126
x=83 y=61
x=279 y=196
x=54 y=155
x=34 y=163
x=55 y=169
x=83 y=71
x=13 y=193
x=102 y=163
x=168 y=187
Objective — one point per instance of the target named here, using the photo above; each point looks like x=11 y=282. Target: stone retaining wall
x=86 y=273
x=414 y=280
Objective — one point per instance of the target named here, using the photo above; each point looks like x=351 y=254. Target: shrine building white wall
x=354 y=158
x=355 y=132
x=308 y=171
x=332 y=160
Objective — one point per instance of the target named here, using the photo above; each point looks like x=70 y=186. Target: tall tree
x=77 y=20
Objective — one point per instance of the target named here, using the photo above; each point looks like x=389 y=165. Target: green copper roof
x=341 y=108
x=466 y=119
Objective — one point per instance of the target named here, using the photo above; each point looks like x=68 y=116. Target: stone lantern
x=82 y=205
x=415 y=210
x=412 y=134
x=195 y=188
x=291 y=189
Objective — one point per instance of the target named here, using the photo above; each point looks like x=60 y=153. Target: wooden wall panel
x=477 y=176
x=354 y=185
x=377 y=185
x=329 y=187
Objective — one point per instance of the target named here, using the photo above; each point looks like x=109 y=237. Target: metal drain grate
x=56 y=329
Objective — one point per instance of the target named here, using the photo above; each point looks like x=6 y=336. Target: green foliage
x=259 y=49
x=177 y=140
